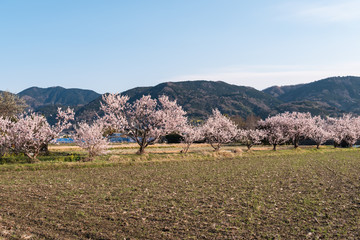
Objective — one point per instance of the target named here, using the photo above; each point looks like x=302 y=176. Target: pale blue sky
x=111 y=46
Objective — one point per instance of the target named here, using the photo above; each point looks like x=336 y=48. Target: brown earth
x=291 y=194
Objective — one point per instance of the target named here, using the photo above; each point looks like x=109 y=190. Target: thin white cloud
x=326 y=11
x=261 y=77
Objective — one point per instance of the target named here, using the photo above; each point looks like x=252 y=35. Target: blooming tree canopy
x=344 y=129
x=250 y=137
x=275 y=128
x=190 y=134
x=63 y=122
x=318 y=131
x=218 y=129
x=145 y=120
x=28 y=134
x=297 y=126
x=90 y=137
x=5 y=127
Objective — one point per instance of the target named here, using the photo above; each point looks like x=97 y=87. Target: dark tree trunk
x=186 y=149
x=45 y=149
x=296 y=142
x=215 y=146
x=141 y=150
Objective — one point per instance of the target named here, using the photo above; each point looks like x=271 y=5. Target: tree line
x=147 y=120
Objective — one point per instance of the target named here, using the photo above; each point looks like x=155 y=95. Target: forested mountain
x=328 y=97
x=332 y=96
x=342 y=93
x=198 y=98
x=38 y=97
x=277 y=91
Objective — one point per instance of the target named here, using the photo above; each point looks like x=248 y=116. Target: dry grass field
x=261 y=194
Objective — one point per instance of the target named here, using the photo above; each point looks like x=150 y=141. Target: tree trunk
x=45 y=149
x=274 y=147
x=91 y=157
x=2 y=151
x=141 y=150
x=215 y=146
x=32 y=158
x=317 y=146
x=143 y=144
x=296 y=142
x=186 y=148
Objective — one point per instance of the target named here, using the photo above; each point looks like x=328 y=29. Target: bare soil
x=304 y=194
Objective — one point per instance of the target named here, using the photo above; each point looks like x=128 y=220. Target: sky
x=115 y=45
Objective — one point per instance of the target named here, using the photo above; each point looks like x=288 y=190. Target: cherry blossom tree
x=250 y=137
x=63 y=122
x=115 y=107
x=218 y=129
x=333 y=127
x=64 y=119
x=350 y=129
x=318 y=131
x=174 y=116
x=275 y=128
x=297 y=126
x=90 y=137
x=190 y=134
x=28 y=134
x=5 y=126
x=344 y=129
x=145 y=120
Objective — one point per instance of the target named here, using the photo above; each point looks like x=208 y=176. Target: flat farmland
x=289 y=194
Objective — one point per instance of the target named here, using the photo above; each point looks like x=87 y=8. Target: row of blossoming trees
x=146 y=120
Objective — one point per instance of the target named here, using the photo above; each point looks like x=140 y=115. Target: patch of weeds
x=72 y=158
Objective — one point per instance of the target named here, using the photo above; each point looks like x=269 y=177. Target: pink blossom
x=344 y=129
x=250 y=137
x=190 y=134
x=28 y=135
x=275 y=128
x=219 y=129
x=145 y=120
x=5 y=127
x=90 y=137
x=318 y=131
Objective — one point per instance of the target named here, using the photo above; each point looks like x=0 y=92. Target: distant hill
x=37 y=97
x=342 y=93
x=277 y=91
x=198 y=98
x=328 y=97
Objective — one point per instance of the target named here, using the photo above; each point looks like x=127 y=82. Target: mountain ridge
x=198 y=98
x=328 y=97
x=339 y=92
x=37 y=97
